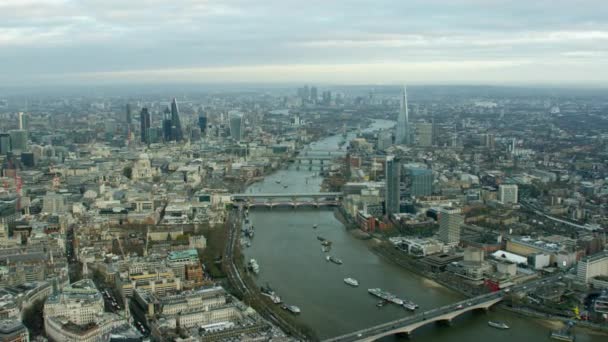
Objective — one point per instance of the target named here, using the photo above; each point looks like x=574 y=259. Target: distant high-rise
x=144 y=121
x=236 y=126
x=392 y=186
x=22 y=121
x=326 y=97
x=420 y=181
x=403 y=125
x=128 y=114
x=176 y=125
x=5 y=143
x=424 y=134
x=508 y=193
x=450 y=222
x=202 y=123
x=313 y=94
x=167 y=125
x=18 y=140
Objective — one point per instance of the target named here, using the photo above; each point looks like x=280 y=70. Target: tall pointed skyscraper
x=403 y=136
x=175 y=122
x=144 y=121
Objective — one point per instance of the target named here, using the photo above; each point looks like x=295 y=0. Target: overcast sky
x=343 y=41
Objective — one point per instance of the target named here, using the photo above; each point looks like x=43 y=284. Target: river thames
x=292 y=262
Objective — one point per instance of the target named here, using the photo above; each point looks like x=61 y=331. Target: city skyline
x=437 y=42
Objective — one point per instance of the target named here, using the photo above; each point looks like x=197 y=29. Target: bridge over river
x=442 y=314
x=294 y=199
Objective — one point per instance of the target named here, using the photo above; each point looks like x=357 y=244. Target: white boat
x=351 y=282
x=253 y=266
x=294 y=309
x=409 y=305
x=275 y=299
x=498 y=325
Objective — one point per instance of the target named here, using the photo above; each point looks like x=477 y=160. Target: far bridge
x=406 y=325
x=315 y=162
x=322 y=152
x=292 y=200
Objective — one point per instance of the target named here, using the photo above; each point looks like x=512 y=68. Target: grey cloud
x=53 y=37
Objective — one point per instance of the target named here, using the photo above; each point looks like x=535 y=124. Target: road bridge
x=293 y=200
x=443 y=314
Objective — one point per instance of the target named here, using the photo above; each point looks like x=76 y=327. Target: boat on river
x=253 y=266
x=387 y=296
x=291 y=308
x=409 y=305
x=351 y=282
x=498 y=325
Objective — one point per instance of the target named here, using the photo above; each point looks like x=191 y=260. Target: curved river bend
x=291 y=261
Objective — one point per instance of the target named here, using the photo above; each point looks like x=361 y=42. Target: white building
x=450 y=222
x=592 y=266
x=508 y=193
x=54 y=203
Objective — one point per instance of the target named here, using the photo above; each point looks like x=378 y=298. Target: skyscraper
x=176 y=125
x=202 y=122
x=450 y=221
x=167 y=125
x=128 y=114
x=144 y=120
x=403 y=125
x=18 y=140
x=313 y=94
x=392 y=192
x=5 y=143
x=424 y=133
x=236 y=126
x=420 y=181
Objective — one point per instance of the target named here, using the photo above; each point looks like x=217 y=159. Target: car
x=459 y=306
x=469 y=303
x=359 y=335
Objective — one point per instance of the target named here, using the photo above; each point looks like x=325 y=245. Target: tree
x=127 y=171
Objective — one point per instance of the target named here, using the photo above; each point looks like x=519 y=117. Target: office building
x=18 y=140
x=144 y=121
x=202 y=123
x=23 y=121
x=176 y=125
x=403 y=134
x=167 y=125
x=5 y=143
x=326 y=96
x=392 y=191
x=12 y=330
x=508 y=193
x=77 y=314
x=424 y=134
x=592 y=266
x=450 y=221
x=128 y=114
x=236 y=126
x=313 y=94
x=420 y=181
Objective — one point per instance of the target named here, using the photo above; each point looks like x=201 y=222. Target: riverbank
x=381 y=249
x=244 y=287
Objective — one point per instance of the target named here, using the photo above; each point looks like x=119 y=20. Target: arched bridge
x=443 y=314
x=294 y=200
